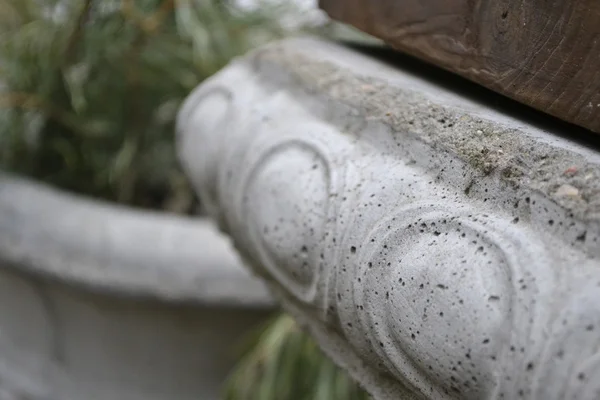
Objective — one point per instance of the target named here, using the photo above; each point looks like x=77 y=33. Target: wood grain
x=544 y=53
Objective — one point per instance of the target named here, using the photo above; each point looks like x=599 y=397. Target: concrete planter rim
x=120 y=251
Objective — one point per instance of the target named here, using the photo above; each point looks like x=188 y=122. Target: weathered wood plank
x=544 y=53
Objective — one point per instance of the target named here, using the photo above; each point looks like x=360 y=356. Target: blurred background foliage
x=89 y=91
x=283 y=363
x=90 y=88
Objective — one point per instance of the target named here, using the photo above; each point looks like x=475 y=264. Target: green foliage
x=91 y=88
x=285 y=363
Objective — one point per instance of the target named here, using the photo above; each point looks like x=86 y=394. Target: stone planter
x=436 y=242
x=105 y=302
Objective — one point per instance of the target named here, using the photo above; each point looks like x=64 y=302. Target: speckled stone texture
x=436 y=248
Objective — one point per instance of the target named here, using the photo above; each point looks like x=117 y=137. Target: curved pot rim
x=121 y=251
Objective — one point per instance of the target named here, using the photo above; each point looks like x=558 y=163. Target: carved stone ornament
x=434 y=246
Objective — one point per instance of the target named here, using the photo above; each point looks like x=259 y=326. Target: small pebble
x=571 y=170
x=567 y=191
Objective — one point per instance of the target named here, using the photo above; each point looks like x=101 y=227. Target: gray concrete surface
x=436 y=246
x=59 y=342
x=120 y=250
x=101 y=302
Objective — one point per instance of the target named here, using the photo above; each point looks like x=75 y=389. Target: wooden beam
x=544 y=53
